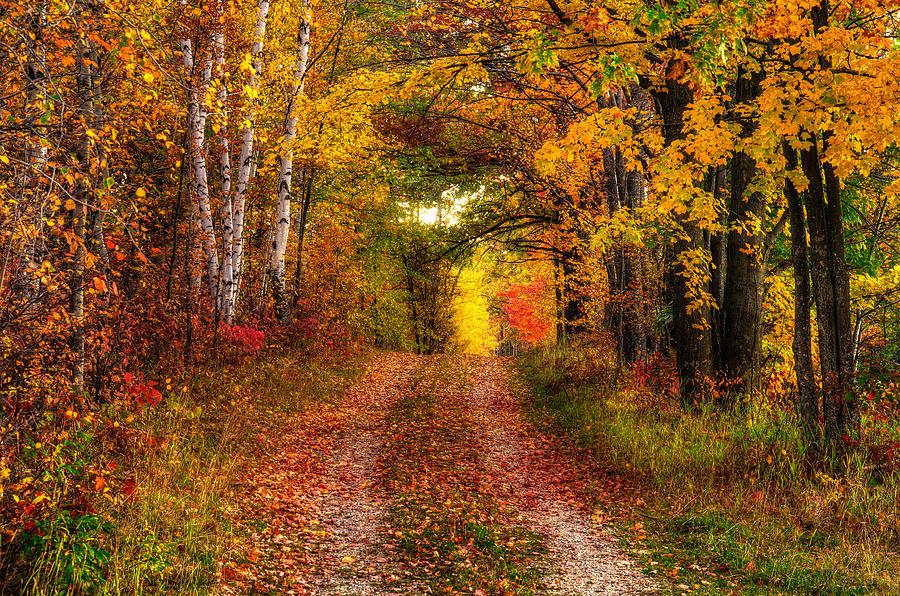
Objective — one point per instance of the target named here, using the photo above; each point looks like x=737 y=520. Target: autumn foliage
x=522 y=309
x=701 y=197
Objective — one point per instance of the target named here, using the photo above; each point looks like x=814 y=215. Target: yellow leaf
x=70 y=205
x=141 y=192
x=4 y=159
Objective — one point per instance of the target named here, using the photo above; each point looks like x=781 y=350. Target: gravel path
x=324 y=527
x=351 y=504
x=585 y=559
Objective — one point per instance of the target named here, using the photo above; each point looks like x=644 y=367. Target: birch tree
x=83 y=195
x=235 y=248
x=197 y=114
x=226 y=212
x=36 y=155
x=283 y=205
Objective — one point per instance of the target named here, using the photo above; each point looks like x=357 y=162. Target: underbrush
x=129 y=494
x=731 y=502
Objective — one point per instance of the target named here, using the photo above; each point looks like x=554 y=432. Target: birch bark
x=223 y=297
x=36 y=157
x=197 y=114
x=245 y=168
x=283 y=206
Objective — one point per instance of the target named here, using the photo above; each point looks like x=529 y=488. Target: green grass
x=727 y=503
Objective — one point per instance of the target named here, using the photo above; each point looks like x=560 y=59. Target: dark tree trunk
x=847 y=419
x=690 y=333
x=558 y=294
x=807 y=395
x=831 y=288
x=411 y=287
x=572 y=302
x=623 y=185
x=614 y=190
x=717 y=266
x=634 y=332
x=831 y=278
x=717 y=243
x=83 y=198
x=745 y=267
x=302 y=217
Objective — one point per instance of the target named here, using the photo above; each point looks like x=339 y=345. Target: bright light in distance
x=452 y=205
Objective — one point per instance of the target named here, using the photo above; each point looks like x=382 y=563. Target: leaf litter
x=584 y=558
x=424 y=477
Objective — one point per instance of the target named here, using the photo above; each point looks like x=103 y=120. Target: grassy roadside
x=158 y=517
x=720 y=505
x=452 y=534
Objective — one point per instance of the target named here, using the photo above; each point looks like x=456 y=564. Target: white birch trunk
x=197 y=114
x=196 y=254
x=226 y=278
x=283 y=206
x=36 y=158
x=245 y=167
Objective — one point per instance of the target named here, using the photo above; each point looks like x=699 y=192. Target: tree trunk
x=635 y=332
x=717 y=266
x=196 y=127
x=690 y=330
x=746 y=267
x=624 y=187
x=615 y=257
x=558 y=301
x=572 y=302
x=26 y=285
x=807 y=395
x=831 y=287
x=846 y=417
x=83 y=197
x=226 y=215
x=306 y=201
x=283 y=205
x=245 y=165
x=99 y=212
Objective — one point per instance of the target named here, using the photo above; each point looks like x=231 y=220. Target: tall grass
x=739 y=492
x=159 y=524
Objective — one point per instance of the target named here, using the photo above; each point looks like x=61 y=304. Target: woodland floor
x=424 y=477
